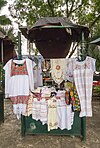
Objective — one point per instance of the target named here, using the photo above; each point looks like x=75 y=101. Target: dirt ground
x=10 y=133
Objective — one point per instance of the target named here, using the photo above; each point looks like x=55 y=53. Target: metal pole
x=83 y=50
x=19 y=45
x=83 y=120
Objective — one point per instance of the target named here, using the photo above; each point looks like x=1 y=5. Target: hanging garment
x=75 y=101
x=65 y=114
x=72 y=96
x=52 y=114
x=19 y=84
x=58 y=70
x=82 y=75
x=43 y=111
x=38 y=75
x=36 y=107
x=69 y=70
x=29 y=106
x=19 y=81
x=39 y=110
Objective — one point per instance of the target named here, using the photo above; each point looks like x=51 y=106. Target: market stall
x=53 y=37
x=53 y=110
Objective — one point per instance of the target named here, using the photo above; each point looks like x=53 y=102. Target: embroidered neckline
x=81 y=62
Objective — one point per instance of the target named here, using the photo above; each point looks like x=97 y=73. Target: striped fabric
x=82 y=73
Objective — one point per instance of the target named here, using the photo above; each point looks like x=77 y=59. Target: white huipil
x=19 y=85
x=81 y=73
x=65 y=114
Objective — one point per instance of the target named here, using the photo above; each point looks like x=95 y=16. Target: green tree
x=32 y=10
x=6 y=24
x=83 y=12
x=4 y=20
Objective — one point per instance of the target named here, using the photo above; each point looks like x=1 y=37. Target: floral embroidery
x=58 y=67
x=58 y=70
x=71 y=97
x=20 y=99
x=20 y=69
x=85 y=65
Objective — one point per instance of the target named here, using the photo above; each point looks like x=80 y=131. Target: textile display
x=81 y=73
x=58 y=70
x=19 y=81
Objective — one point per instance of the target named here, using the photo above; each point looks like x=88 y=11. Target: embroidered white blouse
x=26 y=82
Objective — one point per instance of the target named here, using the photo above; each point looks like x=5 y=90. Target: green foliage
x=32 y=10
x=5 y=23
x=3 y=19
x=94 y=51
x=2 y=3
x=97 y=89
x=83 y=12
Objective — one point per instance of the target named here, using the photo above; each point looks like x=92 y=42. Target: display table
x=31 y=126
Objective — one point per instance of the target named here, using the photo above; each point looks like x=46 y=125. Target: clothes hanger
x=18 y=58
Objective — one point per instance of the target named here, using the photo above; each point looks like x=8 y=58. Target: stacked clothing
x=52 y=110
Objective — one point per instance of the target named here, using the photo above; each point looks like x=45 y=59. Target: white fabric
x=52 y=114
x=82 y=75
x=39 y=110
x=19 y=109
x=45 y=92
x=65 y=115
x=7 y=69
x=43 y=111
x=19 y=84
x=58 y=69
x=69 y=70
x=61 y=93
x=38 y=76
x=36 y=107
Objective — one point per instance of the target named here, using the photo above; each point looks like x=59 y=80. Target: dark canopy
x=53 y=36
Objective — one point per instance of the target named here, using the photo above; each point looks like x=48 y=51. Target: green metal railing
x=1 y=86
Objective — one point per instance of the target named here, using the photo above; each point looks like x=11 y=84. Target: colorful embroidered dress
x=19 y=81
x=19 y=70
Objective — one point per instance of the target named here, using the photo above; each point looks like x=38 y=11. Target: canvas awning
x=53 y=36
